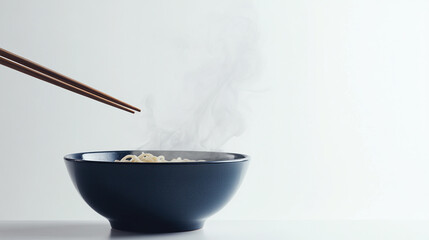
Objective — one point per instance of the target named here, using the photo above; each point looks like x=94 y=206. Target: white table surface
x=225 y=230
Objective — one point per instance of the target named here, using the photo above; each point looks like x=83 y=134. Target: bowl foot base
x=151 y=227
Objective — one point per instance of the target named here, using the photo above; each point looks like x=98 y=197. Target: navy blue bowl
x=156 y=197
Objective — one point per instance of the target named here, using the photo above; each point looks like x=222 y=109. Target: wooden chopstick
x=61 y=79
x=49 y=79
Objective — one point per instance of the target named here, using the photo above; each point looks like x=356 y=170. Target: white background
x=336 y=111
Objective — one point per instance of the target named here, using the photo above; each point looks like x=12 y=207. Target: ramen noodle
x=147 y=157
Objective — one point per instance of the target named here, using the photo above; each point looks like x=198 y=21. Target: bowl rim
x=244 y=158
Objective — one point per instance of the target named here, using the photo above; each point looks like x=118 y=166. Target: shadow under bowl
x=156 y=197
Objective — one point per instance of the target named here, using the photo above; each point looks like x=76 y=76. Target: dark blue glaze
x=156 y=197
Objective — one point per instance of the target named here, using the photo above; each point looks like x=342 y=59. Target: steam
x=205 y=110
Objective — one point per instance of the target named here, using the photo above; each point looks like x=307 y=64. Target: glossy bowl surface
x=156 y=197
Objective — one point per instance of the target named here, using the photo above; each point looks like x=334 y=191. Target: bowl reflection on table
x=156 y=197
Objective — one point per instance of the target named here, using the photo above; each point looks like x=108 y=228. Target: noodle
x=147 y=157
